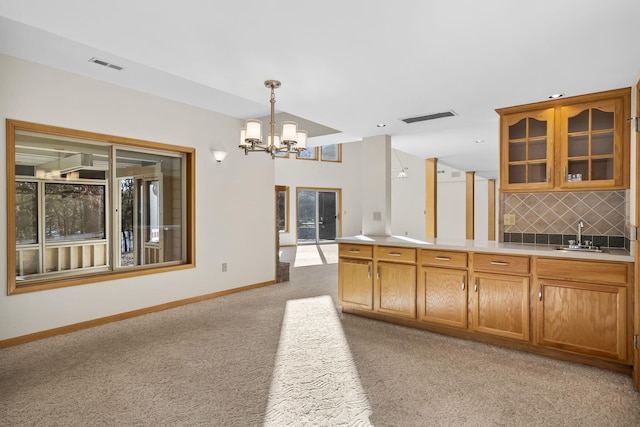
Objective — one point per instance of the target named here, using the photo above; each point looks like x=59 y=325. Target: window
x=282 y=203
x=331 y=153
x=85 y=207
x=309 y=153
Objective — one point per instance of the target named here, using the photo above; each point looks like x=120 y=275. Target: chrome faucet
x=580 y=226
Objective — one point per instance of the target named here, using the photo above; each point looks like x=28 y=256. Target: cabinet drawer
x=590 y=271
x=498 y=263
x=390 y=253
x=348 y=250
x=443 y=258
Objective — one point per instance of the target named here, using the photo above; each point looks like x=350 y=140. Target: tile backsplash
x=604 y=213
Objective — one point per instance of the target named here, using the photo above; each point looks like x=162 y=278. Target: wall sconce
x=218 y=154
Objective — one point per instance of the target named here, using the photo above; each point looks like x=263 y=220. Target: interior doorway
x=318 y=215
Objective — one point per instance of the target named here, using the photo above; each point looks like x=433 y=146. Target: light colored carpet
x=315 y=381
x=213 y=364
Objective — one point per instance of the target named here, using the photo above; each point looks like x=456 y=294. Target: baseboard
x=121 y=316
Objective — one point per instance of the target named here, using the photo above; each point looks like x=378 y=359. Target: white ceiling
x=347 y=65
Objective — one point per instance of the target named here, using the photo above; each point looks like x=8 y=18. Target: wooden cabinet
x=442 y=289
x=583 y=307
x=500 y=295
x=395 y=284
x=569 y=308
x=378 y=278
x=527 y=149
x=577 y=143
x=355 y=276
x=591 y=144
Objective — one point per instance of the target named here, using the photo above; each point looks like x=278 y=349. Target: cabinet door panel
x=355 y=283
x=527 y=150
x=397 y=289
x=443 y=297
x=591 y=144
x=582 y=317
x=500 y=305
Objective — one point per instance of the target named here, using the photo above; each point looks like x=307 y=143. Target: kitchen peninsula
x=570 y=305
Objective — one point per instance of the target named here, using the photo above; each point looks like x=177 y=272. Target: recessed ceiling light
x=556 y=95
x=381 y=125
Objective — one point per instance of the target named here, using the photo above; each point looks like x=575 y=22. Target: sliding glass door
x=317 y=215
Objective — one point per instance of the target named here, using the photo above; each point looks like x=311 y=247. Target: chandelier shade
x=291 y=140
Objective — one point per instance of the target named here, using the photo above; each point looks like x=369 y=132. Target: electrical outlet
x=509 y=219
x=224 y=267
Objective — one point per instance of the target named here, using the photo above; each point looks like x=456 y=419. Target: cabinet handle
x=475 y=285
x=540 y=293
x=463 y=283
x=378 y=273
x=369 y=272
x=443 y=258
x=354 y=251
x=394 y=254
x=501 y=263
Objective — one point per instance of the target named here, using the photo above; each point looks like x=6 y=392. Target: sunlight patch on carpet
x=315 y=381
x=307 y=255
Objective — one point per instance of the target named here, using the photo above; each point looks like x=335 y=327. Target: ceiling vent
x=106 y=64
x=433 y=116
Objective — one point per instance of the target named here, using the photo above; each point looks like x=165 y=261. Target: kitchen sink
x=574 y=248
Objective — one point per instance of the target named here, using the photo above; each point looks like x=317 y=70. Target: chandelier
x=292 y=140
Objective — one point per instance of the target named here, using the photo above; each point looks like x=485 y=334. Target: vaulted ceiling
x=345 y=65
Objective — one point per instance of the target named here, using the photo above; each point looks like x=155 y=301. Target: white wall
x=345 y=175
x=235 y=214
x=376 y=185
x=451 y=201
x=408 y=196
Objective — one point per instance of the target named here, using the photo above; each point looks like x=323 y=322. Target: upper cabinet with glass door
x=592 y=145
x=527 y=151
x=578 y=143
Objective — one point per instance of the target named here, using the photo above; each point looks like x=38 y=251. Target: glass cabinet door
x=590 y=145
x=528 y=149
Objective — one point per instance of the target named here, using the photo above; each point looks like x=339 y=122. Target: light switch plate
x=509 y=219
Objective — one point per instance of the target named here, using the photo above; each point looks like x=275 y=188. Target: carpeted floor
x=215 y=363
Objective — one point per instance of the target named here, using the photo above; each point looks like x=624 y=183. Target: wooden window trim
x=53 y=283
x=339 y=160
x=285 y=188
x=315 y=157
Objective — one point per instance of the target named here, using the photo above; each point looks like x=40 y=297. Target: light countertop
x=611 y=254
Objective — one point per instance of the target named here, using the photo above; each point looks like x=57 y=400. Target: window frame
x=315 y=155
x=283 y=189
x=52 y=282
x=281 y=155
x=338 y=160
